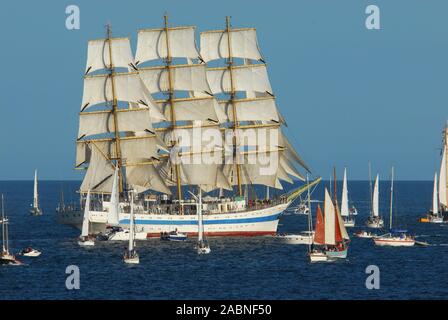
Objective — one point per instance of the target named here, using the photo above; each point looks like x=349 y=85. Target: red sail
x=337 y=234
x=319 y=236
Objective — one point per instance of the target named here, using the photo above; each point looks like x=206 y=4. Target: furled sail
x=375 y=204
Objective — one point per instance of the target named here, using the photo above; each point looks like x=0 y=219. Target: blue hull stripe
x=194 y=222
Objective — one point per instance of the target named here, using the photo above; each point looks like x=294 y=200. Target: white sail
x=249 y=78
x=344 y=200
x=152 y=45
x=257 y=109
x=129 y=120
x=113 y=214
x=342 y=228
x=244 y=44
x=86 y=218
x=98 y=54
x=192 y=109
x=128 y=88
x=35 y=195
x=131 y=225
x=330 y=221
x=435 y=198
x=183 y=78
x=443 y=180
x=146 y=177
x=98 y=175
x=375 y=203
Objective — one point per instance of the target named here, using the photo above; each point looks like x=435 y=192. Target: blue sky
x=349 y=94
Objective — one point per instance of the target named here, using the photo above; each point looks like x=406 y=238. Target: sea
x=237 y=268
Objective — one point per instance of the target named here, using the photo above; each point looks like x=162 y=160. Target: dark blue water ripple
x=237 y=268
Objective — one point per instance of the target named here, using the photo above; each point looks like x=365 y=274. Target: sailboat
x=152 y=116
x=131 y=256
x=315 y=252
x=85 y=238
x=346 y=213
x=375 y=220
x=35 y=210
x=434 y=215
x=396 y=237
x=6 y=257
x=202 y=246
x=330 y=235
x=440 y=190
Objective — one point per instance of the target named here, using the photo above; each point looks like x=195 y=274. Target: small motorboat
x=304 y=237
x=131 y=257
x=86 y=241
x=364 y=234
x=173 y=236
x=396 y=238
x=317 y=256
x=120 y=234
x=30 y=252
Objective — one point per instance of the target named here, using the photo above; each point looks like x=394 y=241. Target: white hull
x=318 y=257
x=245 y=223
x=349 y=223
x=394 y=242
x=87 y=243
x=124 y=236
x=33 y=254
x=134 y=260
x=296 y=239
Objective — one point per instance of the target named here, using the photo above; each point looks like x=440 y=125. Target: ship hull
x=259 y=222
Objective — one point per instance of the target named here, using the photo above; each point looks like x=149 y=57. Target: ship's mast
x=111 y=69
x=232 y=98
x=170 y=100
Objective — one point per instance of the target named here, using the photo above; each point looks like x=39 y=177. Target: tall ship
x=176 y=119
x=438 y=211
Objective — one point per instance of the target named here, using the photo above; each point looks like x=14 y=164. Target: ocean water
x=237 y=268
